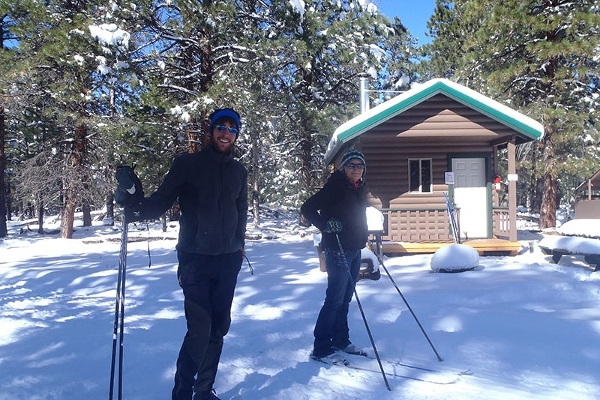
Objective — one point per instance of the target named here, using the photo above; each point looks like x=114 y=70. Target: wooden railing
x=432 y=224
x=500 y=222
x=416 y=225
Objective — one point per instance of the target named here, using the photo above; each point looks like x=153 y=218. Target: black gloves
x=129 y=192
x=333 y=226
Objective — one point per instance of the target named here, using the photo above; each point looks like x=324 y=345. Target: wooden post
x=495 y=195
x=512 y=191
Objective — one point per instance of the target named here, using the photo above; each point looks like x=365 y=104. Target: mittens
x=129 y=191
x=333 y=226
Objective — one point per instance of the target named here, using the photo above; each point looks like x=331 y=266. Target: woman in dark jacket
x=338 y=211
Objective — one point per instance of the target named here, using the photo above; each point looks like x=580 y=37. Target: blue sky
x=413 y=14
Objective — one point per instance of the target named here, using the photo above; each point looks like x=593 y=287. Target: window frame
x=420 y=177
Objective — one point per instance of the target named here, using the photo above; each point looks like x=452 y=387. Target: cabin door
x=470 y=194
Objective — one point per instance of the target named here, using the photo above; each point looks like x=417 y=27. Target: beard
x=222 y=143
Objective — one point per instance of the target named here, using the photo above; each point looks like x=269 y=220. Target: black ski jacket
x=339 y=199
x=212 y=192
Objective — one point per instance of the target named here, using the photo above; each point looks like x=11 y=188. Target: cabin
x=440 y=138
x=587 y=198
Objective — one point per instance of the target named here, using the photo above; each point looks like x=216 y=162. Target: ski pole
x=249 y=265
x=362 y=313
x=409 y=307
x=453 y=224
x=119 y=317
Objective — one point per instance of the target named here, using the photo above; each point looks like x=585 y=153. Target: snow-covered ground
x=526 y=328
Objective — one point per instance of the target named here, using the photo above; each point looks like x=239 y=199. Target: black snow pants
x=208 y=283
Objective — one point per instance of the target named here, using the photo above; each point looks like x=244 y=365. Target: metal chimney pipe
x=364 y=93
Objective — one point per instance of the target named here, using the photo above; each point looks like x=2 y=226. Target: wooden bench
x=558 y=246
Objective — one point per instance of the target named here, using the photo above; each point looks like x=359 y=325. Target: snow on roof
x=418 y=94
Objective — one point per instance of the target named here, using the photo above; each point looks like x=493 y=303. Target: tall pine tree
x=540 y=58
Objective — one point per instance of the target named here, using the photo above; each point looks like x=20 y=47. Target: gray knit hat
x=353 y=154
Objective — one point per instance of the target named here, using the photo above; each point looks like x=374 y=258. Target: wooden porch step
x=485 y=247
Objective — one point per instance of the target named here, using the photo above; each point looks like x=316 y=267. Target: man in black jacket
x=212 y=191
x=339 y=211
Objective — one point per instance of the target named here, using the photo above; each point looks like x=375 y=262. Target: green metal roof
x=526 y=126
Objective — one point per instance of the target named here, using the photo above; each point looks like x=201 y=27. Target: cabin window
x=419 y=179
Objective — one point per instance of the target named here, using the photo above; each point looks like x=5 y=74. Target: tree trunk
x=306 y=170
x=538 y=192
x=68 y=216
x=255 y=180
x=110 y=209
x=550 y=178
x=40 y=216
x=533 y=205
x=192 y=140
x=9 y=199
x=86 y=210
x=3 y=227
x=72 y=181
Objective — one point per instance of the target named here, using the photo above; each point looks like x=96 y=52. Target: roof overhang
x=524 y=125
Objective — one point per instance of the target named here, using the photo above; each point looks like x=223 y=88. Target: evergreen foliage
x=541 y=58
x=87 y=86
x=97 y=85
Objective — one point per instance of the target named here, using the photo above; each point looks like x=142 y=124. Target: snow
x=454 y=257
x=110 y=34
x=298 y=6
x=576 y=245
x=526 y=328
x=585 y=227
x=374 y=219
x=367 y=254
x=578 y=236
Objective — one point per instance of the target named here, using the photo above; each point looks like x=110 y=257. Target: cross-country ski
x=437 y=368
x=395 y=369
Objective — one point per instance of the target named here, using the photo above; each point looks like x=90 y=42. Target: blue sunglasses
x=223 y=128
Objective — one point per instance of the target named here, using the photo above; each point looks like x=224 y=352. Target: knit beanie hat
x=225 y=113
x=353 y=154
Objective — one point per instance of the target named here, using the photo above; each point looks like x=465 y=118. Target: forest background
x=88 y=85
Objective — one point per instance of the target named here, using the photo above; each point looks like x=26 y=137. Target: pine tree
x=448 y=31
x=399 y=67
x=14 y=16
x=65 y=87
x=102 y=84
x=329 y=44
x=540 y=58
x=291 y=72
x=5 y=36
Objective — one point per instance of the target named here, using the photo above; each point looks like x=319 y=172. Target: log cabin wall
x=437 y=129
x=443 y=122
